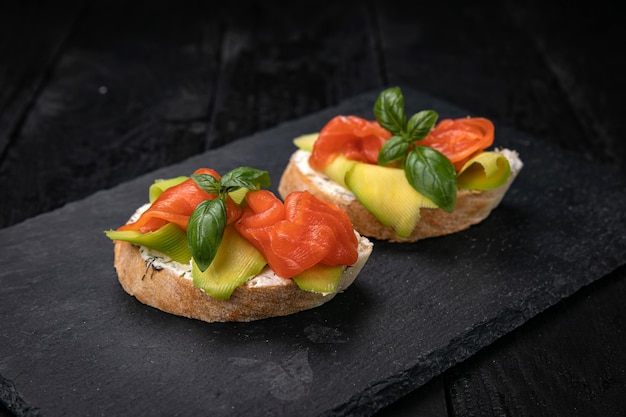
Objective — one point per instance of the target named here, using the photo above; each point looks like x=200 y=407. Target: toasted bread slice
x=169 y=287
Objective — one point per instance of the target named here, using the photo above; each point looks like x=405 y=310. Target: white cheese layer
x=155 y=258
x=266 y=278
x=515 y=162
x=330 y=186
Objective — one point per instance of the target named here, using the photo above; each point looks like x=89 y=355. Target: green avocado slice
x=386 y=193
x=306 y=142
x=338 y=168
x=236 y=261
x=320 y=278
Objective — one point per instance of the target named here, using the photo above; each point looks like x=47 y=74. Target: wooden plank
x=31 y=36
x=491 y=61
x=579 y=45
x=141 y=87
x=130 y=93
x=288 y=59
x=427 y=401
x=142 y=78
x=565 y=362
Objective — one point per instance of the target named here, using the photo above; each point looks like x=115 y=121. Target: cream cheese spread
x=330 y=186
x=515 y=162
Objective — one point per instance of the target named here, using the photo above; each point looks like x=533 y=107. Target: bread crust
x=166 y=290
x=472 y=206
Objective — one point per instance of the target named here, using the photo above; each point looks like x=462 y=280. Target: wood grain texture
x=428 y=401
x=577 y=44
x=564 y=362
x=147 y=86
x=94 y=93
x=130 y=93
x=284 y=60
x=31 y=38
x=551 y=72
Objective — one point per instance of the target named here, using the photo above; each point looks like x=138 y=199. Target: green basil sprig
x=426 y=169
x=205 y=230
x=207 y=222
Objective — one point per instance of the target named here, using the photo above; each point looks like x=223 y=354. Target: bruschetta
x=222 y=249
x=404 y=179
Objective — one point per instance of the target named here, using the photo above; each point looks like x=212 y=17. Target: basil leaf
x=205 y=230
x=420 y=124
x=245 y=177
x=207 y=182
x=389 y=111
x=433 y=175
x=394 y=149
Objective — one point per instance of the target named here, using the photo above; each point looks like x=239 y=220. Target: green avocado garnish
x=400 y=207
x=236 y=261
x=320 y=278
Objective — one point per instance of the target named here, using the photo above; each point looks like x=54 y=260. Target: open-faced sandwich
x=404 y=179
x=222 y=248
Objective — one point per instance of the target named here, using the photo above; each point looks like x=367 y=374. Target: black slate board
x=73 y=343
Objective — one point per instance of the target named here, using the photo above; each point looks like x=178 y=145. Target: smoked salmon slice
x=176 y=204
x=460 y=139
x=356 y=138
x=298 y=234
x=361 y=140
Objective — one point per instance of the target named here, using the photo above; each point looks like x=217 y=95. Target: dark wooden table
x=94 y=93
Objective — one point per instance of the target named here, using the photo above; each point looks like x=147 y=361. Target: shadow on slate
x=74 y=343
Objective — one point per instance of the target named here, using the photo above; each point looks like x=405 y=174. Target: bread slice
x=168 y=286
x=471 y=207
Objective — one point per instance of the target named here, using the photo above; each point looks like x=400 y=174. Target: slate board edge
x=398 y=386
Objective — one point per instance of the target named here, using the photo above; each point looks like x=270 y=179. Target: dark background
x=94 y=93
